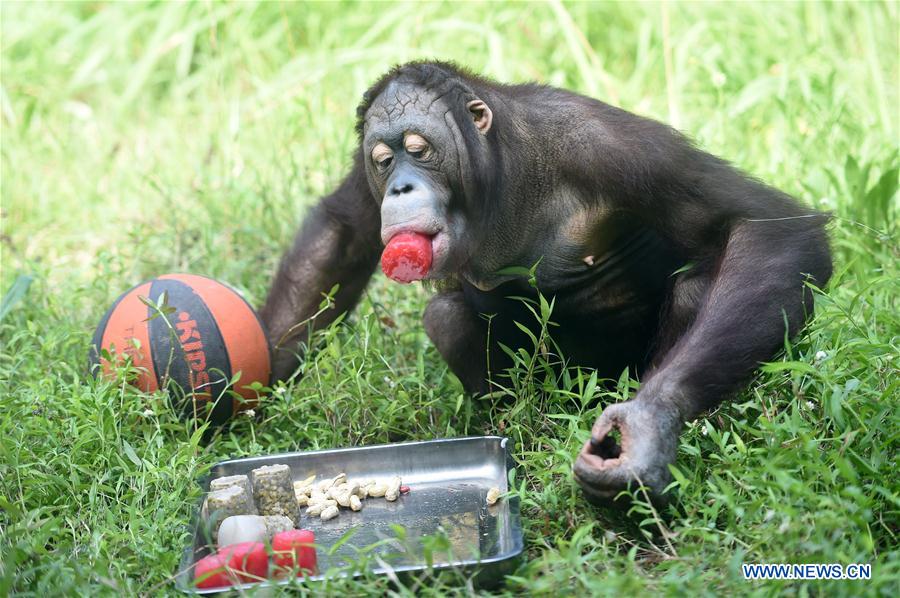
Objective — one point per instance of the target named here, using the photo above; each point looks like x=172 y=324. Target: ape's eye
x=416 y=146
x=382 y=156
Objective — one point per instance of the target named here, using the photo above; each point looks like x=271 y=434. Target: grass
x=139 y=139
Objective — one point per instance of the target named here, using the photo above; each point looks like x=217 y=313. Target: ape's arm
x=766 y=247
x=763 y=246
x=338 y=243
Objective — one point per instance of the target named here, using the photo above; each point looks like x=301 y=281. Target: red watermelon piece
x=294 y=548
x=248 y=559
x=210 y=572
x=245 y=562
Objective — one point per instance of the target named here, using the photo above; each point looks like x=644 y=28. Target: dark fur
x=660 y=203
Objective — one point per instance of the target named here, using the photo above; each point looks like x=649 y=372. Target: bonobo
x=661 y=257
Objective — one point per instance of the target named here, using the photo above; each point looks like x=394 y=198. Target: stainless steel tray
x=449 y=480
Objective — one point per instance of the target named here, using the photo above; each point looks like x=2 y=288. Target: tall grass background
x=144 y=138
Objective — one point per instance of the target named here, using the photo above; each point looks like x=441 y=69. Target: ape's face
x=416 y=164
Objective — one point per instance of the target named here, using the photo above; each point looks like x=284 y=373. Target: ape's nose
x=401 y=187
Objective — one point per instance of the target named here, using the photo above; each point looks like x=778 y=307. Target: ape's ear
x=481 y=114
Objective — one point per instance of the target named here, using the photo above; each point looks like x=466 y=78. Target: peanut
x=322 y=500
x=392 y=492
x=343 y=499
x=329 y=513
x=307 y=483
x=317 y=508
x=377 y=490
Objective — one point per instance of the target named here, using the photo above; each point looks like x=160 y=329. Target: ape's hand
x=649 y=439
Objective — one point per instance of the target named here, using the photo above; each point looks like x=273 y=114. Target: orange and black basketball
x=195 y=335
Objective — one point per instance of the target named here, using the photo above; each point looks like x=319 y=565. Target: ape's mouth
x=440 y=250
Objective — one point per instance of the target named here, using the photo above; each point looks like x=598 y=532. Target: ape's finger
x=601 y=428
x=605 y=498
x=603 y=424
x=598 y=473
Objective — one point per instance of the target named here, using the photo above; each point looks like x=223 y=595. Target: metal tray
x=449 y=480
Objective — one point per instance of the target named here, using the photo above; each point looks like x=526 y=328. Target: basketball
x=189 y=335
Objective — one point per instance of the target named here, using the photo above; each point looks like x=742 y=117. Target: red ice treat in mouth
x=407 y=257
